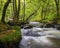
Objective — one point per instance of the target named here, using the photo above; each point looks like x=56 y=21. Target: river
x=39 y=38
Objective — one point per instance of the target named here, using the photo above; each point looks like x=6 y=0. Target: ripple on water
x=37 y=41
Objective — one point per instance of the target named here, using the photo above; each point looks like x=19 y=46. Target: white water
x=37 y=38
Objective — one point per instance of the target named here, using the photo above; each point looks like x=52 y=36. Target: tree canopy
x=32 y=10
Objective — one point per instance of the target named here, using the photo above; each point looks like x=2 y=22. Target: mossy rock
x=11 y=38
x=4 y=27
x=18 y=23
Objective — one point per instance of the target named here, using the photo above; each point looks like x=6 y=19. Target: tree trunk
x=4 y=11
x=16 y=10
x=24 y=11
x=33 y=12
x=42 y=14
x=57 y=8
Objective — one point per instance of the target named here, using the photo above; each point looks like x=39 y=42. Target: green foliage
x=14 y=35
x=47 y=9
x=4 y=27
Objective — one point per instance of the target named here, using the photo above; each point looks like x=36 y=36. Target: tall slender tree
x=24 y=11
x=16 y=10
x=57 y=8
x=4 y=10
x=33 y=13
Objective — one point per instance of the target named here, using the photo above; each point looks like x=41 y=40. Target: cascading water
x=37 y=38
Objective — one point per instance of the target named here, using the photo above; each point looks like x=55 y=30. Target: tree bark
x=16 y=10
x=24 y=11
x=57 y=8
x=4 y=11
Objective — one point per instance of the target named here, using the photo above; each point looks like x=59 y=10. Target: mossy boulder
x=4 y=27
x=10 y=38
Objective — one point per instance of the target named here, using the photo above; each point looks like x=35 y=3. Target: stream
x=38 y=38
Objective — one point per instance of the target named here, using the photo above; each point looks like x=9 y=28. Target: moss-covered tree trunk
x=57 y=10
x=4 y=11
x=16 y=10
x=33 y=13
x=24 y=11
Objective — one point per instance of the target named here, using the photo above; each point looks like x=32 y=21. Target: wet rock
x=22 y=26
x=58 y=27
x=11 y=24
x=34 y=23
x=28 y=27
x=49 y=26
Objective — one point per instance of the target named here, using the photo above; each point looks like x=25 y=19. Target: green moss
x=4 y=27
x=12 y=36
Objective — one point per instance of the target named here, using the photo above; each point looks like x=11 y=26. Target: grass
x=10 y=35
x=10 y=38
x=4 y=27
